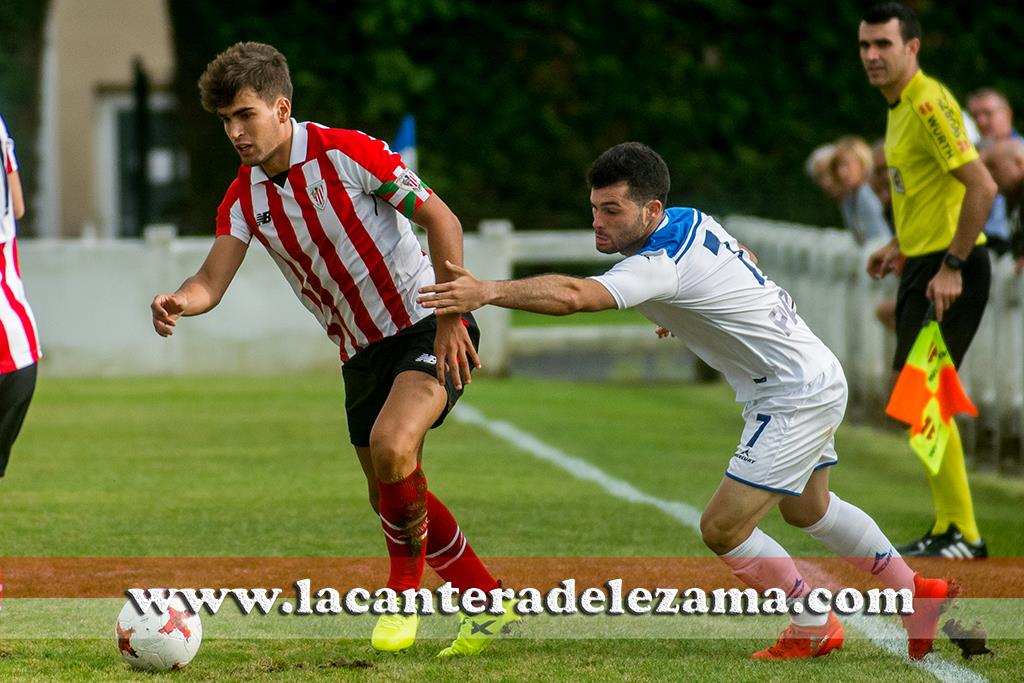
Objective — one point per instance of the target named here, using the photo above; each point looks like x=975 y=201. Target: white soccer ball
x=158 y=642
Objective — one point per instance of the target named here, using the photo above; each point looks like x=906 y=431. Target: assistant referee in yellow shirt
x=941 y=196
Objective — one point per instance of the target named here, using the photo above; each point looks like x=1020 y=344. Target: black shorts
x=960 y=322
x=16 y=389
x=370 y=373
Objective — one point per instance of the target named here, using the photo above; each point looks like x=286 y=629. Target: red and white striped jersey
x=19 y=339
x=338 y=229
x=10 y=164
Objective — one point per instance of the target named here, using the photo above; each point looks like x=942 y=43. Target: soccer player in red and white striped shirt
x=19 y=340
x=333 y=209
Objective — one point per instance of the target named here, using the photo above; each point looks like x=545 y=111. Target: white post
x=489 y=255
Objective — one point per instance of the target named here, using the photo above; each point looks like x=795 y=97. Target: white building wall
x=90 y=46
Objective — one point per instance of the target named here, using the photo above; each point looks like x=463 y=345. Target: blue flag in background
x=405 y=141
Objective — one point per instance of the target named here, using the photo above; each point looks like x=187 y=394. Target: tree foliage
x=514 y=99
x=21 y=46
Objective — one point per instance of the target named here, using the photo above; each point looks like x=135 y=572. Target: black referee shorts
x=16 y=389
x=960 y=322
x=370 y=373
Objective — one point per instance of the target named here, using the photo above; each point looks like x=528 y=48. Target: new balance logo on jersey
x=427 y=358
x=318 y=194
x=263 y=218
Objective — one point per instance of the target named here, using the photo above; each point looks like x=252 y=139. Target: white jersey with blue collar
x=692 y=278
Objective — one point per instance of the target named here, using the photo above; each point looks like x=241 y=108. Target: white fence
x=91 y=299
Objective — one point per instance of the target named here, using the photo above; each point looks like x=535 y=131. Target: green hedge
x=513 y=100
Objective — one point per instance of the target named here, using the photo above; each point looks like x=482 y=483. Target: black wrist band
x=954 y=262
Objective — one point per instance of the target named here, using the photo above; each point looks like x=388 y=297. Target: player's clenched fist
x=166 y=309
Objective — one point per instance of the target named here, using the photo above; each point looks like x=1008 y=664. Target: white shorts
x=787 y=438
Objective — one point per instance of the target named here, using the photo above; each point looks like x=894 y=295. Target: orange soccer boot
x=930 y=599
x=801 y=642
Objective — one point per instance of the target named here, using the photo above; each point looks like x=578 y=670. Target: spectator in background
x=817 y=167
x=994 y=116
x=861 y=209
x=19 y=341
x=1005 y=161
x=878 y=180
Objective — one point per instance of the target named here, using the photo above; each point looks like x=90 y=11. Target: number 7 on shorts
x=764 y=420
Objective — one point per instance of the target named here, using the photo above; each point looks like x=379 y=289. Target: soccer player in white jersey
x=332 y=207
x=690 y=277
x=19 y=339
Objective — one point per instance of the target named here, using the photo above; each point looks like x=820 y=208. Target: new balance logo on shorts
x=427 y=358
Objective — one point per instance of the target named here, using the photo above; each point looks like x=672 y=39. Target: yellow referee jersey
x=925 y=139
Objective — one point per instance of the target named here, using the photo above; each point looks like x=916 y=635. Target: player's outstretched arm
x=551 y=294
x=204 y=290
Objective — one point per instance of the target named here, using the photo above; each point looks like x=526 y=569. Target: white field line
x=885 y=635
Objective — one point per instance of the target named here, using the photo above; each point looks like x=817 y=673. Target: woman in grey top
x=861 y=209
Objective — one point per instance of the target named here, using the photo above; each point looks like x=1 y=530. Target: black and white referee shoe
x=952 y=544
x=916 y=547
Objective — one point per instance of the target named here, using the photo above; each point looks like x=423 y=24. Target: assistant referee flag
x=927 y=395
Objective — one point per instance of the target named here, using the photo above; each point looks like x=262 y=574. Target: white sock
x=761 y=563
x=849 y=532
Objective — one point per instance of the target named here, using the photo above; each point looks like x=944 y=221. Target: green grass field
x=261 y=467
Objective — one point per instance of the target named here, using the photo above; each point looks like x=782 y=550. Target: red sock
x=403 y=514
x=449 y=553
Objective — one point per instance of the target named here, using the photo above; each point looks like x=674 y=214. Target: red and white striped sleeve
x=7 y=143
x=370 y=164
x=230 y=217
x=10 y=161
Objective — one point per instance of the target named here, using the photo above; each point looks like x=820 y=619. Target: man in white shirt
x=690 y=277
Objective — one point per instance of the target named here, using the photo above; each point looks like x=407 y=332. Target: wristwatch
x=953 y=262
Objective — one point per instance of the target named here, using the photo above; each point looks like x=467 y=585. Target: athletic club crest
x=408 y=181
x=318 y=194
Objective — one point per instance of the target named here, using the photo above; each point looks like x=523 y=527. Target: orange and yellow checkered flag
x=927 y=395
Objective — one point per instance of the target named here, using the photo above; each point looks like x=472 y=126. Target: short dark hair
x=989 y=92
x=882 y=12
x=245 y=65
x=638 y=165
